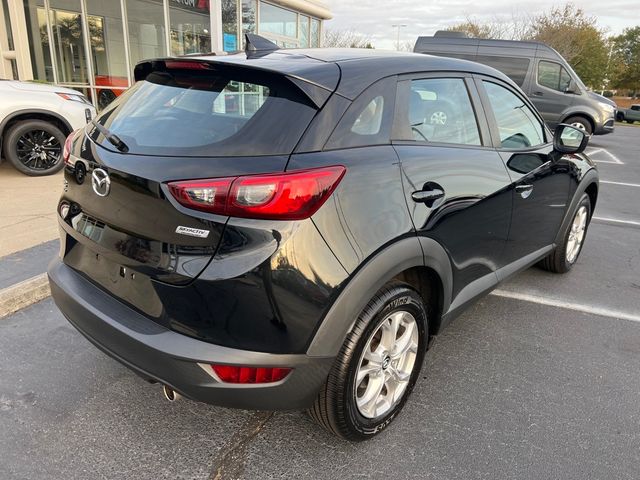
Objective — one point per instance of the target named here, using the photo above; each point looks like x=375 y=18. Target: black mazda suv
x=287 y=229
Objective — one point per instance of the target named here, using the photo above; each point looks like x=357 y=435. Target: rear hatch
x=185 y=120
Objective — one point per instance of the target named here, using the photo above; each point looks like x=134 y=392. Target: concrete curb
x=23 y=294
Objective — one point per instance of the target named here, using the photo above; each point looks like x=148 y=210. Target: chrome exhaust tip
x=170 y=394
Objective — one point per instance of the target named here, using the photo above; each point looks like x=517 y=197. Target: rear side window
x=513 y=67
x=368 y=120
x=201 y=112
x=518 y=126
x=553 y=75
x=439 y=110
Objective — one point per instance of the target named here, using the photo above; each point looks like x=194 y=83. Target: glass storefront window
x=146 y=30
x=304 y=31
x=38 y=40
x=14 y=69
x=315 y=32
x=68 y=41
x=107 y=49
x=229 y=25
x=278 y=21
x=248 y=16
x=60 y=52
x=7 y=24
x=189 y=27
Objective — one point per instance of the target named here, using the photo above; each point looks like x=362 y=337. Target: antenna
x=256 y=43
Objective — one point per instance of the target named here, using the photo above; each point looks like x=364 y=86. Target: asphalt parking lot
x=539 y=380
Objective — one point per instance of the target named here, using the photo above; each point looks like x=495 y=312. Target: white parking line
x=615 y=220
x=591 y=309
x=621 y=183
x=614 y=160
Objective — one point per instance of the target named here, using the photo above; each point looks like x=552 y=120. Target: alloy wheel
x=38 y=150
x=438 y=118
x=576 y=234
x=580 y=126
x=386 y=365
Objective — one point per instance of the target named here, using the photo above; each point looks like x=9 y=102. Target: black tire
x=557 y=261
x=335 y=407
x=620 y=117
x=630 y=121
x=578 y=120
x=21 y=140
x=105 y=97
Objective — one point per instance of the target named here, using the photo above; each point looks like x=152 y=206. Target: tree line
x=601 y=60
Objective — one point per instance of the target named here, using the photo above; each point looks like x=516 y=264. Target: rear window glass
x=513 y=67
x=209 y=113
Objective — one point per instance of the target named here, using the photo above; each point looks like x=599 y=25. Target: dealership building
x=92 y=45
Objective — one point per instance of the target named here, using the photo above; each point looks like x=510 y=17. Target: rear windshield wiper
x=111 y=137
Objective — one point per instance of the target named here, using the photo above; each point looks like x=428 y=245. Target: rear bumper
x=159 y=354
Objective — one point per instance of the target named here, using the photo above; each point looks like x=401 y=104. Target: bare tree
x=518 y=27
x=567 y=28
x=407 y=46
x=345 y=39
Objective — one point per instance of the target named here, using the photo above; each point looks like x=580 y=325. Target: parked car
x=34 y=121
x=629 y=115
x=106 y=95
x=541 y=72
x=300 y=252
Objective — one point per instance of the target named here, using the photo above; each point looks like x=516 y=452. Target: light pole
x=398 y=27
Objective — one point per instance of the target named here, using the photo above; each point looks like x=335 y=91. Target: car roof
x=445 y=43
x=350 y=69
x=486 y=42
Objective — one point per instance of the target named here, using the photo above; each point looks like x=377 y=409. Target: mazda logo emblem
x=100 y=182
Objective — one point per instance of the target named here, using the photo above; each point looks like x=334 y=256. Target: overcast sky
x=423 y=17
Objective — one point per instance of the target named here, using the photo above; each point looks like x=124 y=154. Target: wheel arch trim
x=590 y=178
x=369 y=278
x=33 y=111
x=581 y=113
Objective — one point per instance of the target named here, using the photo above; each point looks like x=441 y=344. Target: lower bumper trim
x=159 y=354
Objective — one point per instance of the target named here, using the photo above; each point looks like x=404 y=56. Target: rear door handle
x=524 y=190
x=426 y=196
x=537 y=94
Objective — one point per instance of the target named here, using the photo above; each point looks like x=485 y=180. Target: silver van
x=541 y=72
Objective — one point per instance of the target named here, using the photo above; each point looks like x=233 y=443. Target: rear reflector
x=237 y=374
x=281 y=196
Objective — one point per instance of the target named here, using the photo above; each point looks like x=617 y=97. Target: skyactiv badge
x=192 y=232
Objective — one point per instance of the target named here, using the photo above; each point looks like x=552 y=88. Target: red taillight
x=66 y=150
x=281 y=196
x=237 y=374
x=206 y=195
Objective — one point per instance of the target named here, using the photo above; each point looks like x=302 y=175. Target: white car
x=35 y=120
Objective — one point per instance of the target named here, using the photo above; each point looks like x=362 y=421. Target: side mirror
x=572 y=87
x=569 y=139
